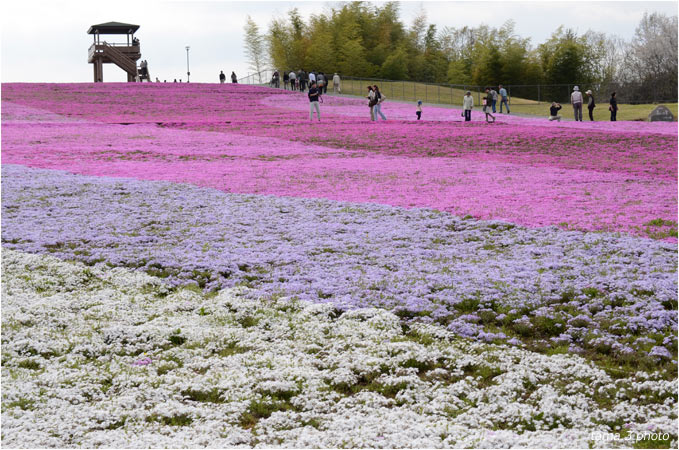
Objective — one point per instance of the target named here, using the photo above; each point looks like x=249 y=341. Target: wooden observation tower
x=124 y=55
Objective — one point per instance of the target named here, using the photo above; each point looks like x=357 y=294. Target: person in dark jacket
x=222 y=77
x=320 y=81
x=590 y=105
x=613 y=108
x=302 y=80
x=323 y=87
x=554 y=112
x=234 y=78
x=314 y=94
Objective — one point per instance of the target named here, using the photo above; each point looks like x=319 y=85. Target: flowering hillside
x=255 y=140
x=194 y=265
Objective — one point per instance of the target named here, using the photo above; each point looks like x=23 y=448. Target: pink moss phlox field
x=256 y=140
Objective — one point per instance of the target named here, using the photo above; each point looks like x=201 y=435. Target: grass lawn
x=625 y=112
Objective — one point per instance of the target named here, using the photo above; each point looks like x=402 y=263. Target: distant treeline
x=367 y=40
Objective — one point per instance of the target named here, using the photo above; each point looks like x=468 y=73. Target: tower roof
x=113 y=28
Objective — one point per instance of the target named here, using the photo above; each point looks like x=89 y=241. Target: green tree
x=396 y=66
x=489 y=68
x=567 y=63
x=564 y=62
x=435 y=63
x=299 y=43
x=352 y=60
x=364 y=39
x=458 y=72
x=255 y=50
x=320 y=55
x=279 y=44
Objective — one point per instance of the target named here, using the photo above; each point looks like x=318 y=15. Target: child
x=486 y=109
x=419 y=109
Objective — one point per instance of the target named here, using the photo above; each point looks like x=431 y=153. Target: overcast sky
x=48 y=40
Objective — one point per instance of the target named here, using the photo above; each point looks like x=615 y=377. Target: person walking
x=312 y=77
x=576 y=101
x=493 y=99
x=487 y=106
x=590 y=104
x=467 y=105
x=314 y=95
x=418 y=111
x=325 y=83
x=337 y=89
x=293 y=80
x=503 y=99
x=234 y=78
x=222 y=77
x=302 y=80
x=613 y=107
x=377 y=113
x=286 y=80
x=554 y=112
x=320 y=81
x=371 y=102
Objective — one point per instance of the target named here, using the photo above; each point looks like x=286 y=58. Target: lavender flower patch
x=108 y=357
x=612 y=298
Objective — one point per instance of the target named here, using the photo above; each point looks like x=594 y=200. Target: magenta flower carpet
x=253 y=140
x=236 y=221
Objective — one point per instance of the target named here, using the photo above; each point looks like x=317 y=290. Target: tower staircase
x=120 y=59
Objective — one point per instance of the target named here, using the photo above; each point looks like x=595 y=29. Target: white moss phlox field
x=101 y=357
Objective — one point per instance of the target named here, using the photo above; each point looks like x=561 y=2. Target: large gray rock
x=661 y=114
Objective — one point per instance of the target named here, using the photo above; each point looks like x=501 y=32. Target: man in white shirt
x=576 y=101
x=293 y=77
x=336 y=83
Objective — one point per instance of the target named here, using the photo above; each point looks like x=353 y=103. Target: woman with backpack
x=377 y=109
x=371 y=102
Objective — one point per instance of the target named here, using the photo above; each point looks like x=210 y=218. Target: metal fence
x=527 y=97
x=262 y=78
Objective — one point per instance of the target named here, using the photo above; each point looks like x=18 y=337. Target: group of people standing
x=492 y=97
x=489 y=103
x=298 y=81
x=577 y=102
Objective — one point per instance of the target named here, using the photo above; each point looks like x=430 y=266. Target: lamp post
x=188 y=72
